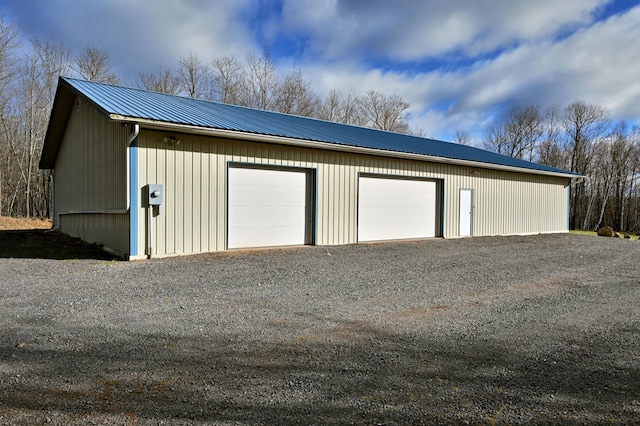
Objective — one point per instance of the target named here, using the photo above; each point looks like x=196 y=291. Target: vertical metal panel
x=90 y=165
x=194 y=175
x=105 y=229
x=196 y=184
x=511 y=203
x=90 y=177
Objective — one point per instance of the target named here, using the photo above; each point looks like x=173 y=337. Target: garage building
x=148 y=174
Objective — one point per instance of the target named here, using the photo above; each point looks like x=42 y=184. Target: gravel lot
x=500 y=330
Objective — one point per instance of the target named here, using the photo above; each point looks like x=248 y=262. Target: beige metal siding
x=90 y=179
x=109 y=230
x=194 y=174
x=511 y=203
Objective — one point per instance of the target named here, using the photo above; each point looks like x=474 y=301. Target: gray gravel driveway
x=499 y=330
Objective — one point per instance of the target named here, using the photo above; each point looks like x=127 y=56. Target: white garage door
x=266 y=207
x=390 y=209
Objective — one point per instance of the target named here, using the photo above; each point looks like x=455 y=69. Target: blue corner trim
x=135 y=198
x=569 y=207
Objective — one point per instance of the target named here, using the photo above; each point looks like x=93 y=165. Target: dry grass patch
x=20 y=223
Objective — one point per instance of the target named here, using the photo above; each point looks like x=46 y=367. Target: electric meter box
x=155 y=195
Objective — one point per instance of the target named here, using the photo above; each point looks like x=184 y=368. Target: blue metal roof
x=140 y=104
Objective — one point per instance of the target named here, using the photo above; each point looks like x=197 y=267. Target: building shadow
x=47 y=244
x=381 y=379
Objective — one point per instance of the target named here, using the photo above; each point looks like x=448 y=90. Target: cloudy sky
x=460 y=63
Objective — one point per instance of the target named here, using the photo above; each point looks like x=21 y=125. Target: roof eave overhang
x=258 y=137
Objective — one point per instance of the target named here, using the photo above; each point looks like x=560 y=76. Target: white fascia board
x=256 y=137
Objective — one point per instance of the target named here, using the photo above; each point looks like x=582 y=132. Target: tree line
x=578 y=137
x=581 y=138
x=256 y=83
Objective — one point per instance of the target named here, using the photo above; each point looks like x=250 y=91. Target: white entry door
x=466 y=212
x=266 y=207
x=390 y=209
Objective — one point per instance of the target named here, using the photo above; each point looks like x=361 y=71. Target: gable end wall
x=90 y=179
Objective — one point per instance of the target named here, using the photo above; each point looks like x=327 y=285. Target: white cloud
x=139 y=36
x=413 y=30
x=597 y=64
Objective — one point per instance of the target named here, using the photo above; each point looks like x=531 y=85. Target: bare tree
x=343 y=108
x=552 y=154
x=261 y=83
x=598 y=187
x=518 y=134
x=633 y=199
x=295 y=96
x=624 y=166
x=161 y=80
x=419 y=132
x=329 y=109
x=351 y=110
x=195 y=77
x=385 y=112
x=551 y=150
x=8 y=47
x=583 y=125
x=228 y=80
x=38 y=79
x=495 y=139
x=463 y=137
x=525 y=128
x=93 y=65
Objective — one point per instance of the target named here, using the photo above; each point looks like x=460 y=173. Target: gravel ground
x=499 y=330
